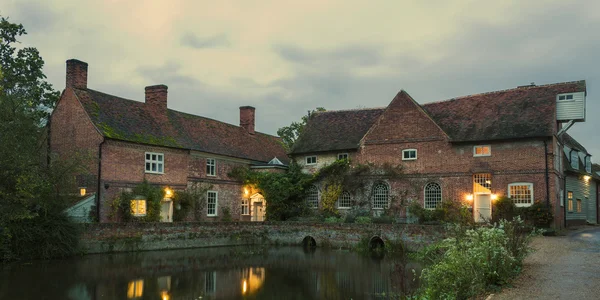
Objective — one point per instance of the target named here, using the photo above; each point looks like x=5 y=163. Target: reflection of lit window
x=135 y=289
x=252 y=280
x=210 y=282
x=164 y=285
x=138 y=207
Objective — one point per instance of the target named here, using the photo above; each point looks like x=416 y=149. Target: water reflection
x=218 y=273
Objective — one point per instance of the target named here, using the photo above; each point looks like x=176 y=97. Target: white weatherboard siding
x=582 y=190
x=80 y=212
x=571 y=109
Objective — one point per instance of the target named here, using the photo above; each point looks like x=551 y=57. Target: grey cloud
x=36 y=17
x=169 y=73
x=354 y=55
x=193 y=41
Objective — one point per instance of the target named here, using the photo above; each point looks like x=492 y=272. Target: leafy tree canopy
x=289 y=134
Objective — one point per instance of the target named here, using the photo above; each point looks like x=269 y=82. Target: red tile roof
x=515 y=113
x=128 y=120
x=335 y=130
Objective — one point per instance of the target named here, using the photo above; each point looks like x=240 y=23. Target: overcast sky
x=286 y=57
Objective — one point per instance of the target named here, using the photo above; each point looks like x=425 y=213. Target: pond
x=213 y=273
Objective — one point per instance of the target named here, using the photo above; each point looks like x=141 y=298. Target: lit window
x=433 y=195
x=521 y=193
x=154 y=163
x=578 y=205
x=138 y=207
x=312 y=197
x=482 y=183
x=574 y=159
x=135 y=289
x=211 y=203
x=245 y=207
x=409 y=154
x=485 y=150
x=344 y=200
x=381 y=195
x=565 y=97
x=341 y=156
x=311 y=160
x=211 y=167
x=570 y=201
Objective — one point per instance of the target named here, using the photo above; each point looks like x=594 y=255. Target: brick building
x=125 y=142
x=470 y=149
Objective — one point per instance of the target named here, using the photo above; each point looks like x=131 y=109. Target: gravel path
x=566 y=267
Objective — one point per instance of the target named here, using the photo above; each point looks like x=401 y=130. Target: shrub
x=332 y=220
x=226 y=214
x=475 y=260
x=52 y=235
x=448 y=212
x=153 y=196
x=383 y=220
x=538 y=214
x=363 y=220
x=503 y=208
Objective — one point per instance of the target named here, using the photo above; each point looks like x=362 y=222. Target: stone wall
x=114 y=237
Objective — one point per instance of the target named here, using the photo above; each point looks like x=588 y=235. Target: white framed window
x=245 y=207
x=578 y=205
x=211 y=167
x=344 y=200
x=574 y=159
x=521 y=193
x=312 y=197
x=138 y=207
x=570 y=201
x=432 y=195
x=381 y=196
x=564 y=97
x=409 y=154
x=482 y=150
x=155 y=163
x=588 y=164
x=212 y=203
x=341 y=156
x=311 y=160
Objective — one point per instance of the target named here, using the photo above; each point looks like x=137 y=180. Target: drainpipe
x=547 y=179
x=99 y=179
x=565 y=200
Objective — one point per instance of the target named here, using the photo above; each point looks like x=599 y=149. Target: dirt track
x=565 y=267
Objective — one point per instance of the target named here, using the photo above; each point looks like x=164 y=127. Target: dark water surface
x=214 y=273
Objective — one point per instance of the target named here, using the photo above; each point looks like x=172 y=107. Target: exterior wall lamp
x=469 y=197
x=168 y=192
x=82 y=191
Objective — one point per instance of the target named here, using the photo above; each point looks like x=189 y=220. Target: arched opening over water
x=309 y=242
x=376 y=243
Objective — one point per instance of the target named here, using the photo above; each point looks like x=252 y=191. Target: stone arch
x=376 y=242
x=309 y=242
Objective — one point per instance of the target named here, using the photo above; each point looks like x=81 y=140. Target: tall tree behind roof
x=290 y=134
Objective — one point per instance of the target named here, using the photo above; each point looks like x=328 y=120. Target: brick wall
x=72 y=134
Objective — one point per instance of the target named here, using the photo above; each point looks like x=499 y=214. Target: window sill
x=155 y=173
x=408 y=159
x=482 y=155
x=211 y=216
x=138 y=216
x=345 y=208
x=208 y=175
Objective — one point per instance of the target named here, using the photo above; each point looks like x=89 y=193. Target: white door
x=166 y=211
x=482 y=208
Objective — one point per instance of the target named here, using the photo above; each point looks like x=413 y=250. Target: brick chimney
x=77 y=74
x=247 y=118
x=156 y=97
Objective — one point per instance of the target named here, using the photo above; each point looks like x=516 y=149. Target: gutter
x=547 y=179
x=98 y=194
x=565 y=203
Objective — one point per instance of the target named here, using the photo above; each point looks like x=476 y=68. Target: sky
x=288 y=57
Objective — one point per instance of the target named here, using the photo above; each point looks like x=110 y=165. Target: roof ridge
x=505 y=90
x=180 y=112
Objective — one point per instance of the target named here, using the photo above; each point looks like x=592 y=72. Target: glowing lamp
x=245 y=287
x=586 y=177
x=470 y=197
x=494 y=196
x=168 y=193
x=82 y=191
x=246 y=192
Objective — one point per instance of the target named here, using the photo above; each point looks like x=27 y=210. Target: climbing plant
x=153 y=196
x=191 y=200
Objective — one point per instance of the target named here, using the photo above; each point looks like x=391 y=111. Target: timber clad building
x=128 y=141
x=470 y=149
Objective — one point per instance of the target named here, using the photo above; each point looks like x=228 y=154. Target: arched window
x=312 y=197
x=381 y=195
x=433 y=195
x=344 y=200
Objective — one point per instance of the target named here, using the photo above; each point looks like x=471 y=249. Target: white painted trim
x=441 y=194
x=134 y=214
x=566 y=100
x=214 y=160
x=480 y=155
x=530 y=184
x=408 y=150
x=154 y=161
x=216 y=204
x=310 y=164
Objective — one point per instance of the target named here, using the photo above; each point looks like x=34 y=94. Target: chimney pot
x=156 y=97
x=247 y=118
x=77 y=72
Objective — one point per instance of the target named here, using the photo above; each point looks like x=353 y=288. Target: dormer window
x=565 y=97
x=342 y=156
x=311 y=160
x=574 y=160
x=588 y=164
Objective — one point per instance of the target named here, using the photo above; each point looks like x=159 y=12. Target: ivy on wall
x=190 y=201
x=121 y=205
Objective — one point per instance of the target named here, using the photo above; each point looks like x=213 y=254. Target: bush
x=504 y=208
x=333 y=220
x=448 y=212
x=363 y=220
x=153 y=196
x=539 y=214
x=475 y=260
x=226 y=214
x=383 y=220
x=49 y=236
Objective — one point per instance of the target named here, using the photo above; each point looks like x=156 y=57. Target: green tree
x=290 y=134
